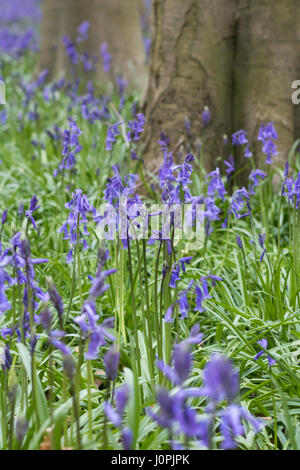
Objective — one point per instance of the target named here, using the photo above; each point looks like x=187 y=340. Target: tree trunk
x=116 y=22
x=265 y=67
x=191 y=66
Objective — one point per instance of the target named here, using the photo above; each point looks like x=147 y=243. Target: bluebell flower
x=6 y=359
x=230 y=166
x=136 y=127
x=231 y=424
x=175 y=271
x=206 y=116
x=111 y=362
x=115 y=416
x=79 y=208
x=261 y=240
x=32 y=208
x=70 y=50
x=106 y=57
x=239 y=138
x=264 y=343
x=215 y=185
x=21 y=428
x=112 y=133
x=95 y=333
x=240 y=205
x=267 y=135
x=220 y=380
x=239 y=241
x=82 y=30
x=4 y=217
x=56 y=300
x=71 y=146
x=255 y=177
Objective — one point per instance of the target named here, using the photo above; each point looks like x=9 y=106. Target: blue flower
x=32 y=208
x=267 y=134
x=264 y=343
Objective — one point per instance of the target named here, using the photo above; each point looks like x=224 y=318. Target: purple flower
x=127 y=438
x=220 y=379
x=231 y=424
x=32 y=208
x=181 y=359
x=230 y=166
x=79 y=208
x=291 y=189
x=71 y=146
x=136 y=127
x=21 y=428
x=239 y=241
x=70 y=50
x=88 y=321
x=215 y=184
x=55 y=339
x=56 y=300
x=267 y=134
x=240 y=201
x=111 y=363
x=264 y=343
x=4 y=217
x=106 y=57
x=255 y=177
x=183 y=305
x=115 y=415
x=83 y=29
x=112 y=133
x=176 y=270
x=6 y=359
x=206 y=116
x=167 y=409
x=239 y=138
x=46 y=319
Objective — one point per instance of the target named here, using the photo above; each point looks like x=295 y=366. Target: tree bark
x=266 y=64
x=116 y=22
x=191 y=66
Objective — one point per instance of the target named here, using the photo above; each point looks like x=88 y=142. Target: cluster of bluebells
x=115 y=415
x=220 y=384
x=94 y=108
x=199 y=289
x=18 y=20
x=112 y=132
x=255 y=177
x=174 y=180
x=215 y=190
x=106 y=57
x=71 y=146
x=29 y=104
x=79 y=207
x=136 y=127
x=267 y=135
x=18 y=259
x=50 y=90
x=145 y=16
x=16 y=43
x=122 y=204
x=96 y=334
x=72 y=51
x=291 y=187
x=239 y=139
